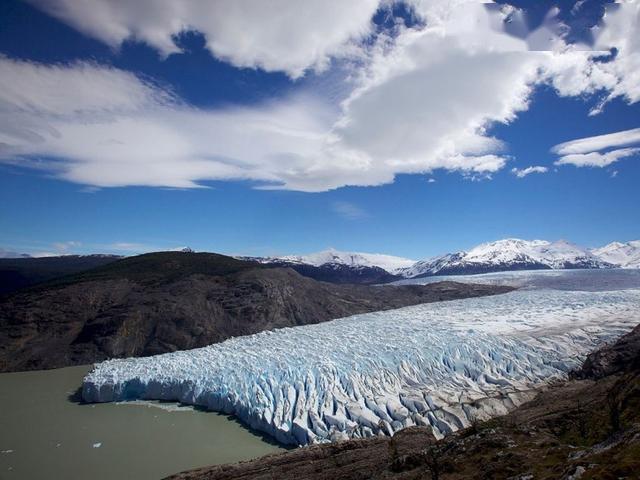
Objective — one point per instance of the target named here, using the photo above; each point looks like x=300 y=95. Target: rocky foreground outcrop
x=578 y=429
x=612 y=359
x=170 y=301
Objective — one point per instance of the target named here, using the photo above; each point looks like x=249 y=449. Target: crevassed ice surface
x=440 y=365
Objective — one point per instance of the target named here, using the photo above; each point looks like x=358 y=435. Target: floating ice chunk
x=440 y=364
x=97 y=445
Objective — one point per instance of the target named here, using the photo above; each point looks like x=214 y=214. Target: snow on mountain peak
x=389 y=263
x=502 y=251
x=500 y=255
x=514 y=250
x=626 y=255
x=509 y=254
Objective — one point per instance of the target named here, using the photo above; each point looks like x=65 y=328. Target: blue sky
x=359 y=167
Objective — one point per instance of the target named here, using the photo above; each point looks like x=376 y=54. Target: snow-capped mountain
x=502 y=255
x=342 y=267
x=625 y=255
x=430 y=266
x=509 y=254
x=352 y=259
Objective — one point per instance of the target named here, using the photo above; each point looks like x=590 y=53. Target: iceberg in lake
x=441 y=365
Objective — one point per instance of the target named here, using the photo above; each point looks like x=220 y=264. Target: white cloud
x=575 y=70
x=427 y=102
x=278 y=35
x=620 y=30
x=596 y=159
x=349 y=210
x=133 y=133
x=589 y=151
x=523 y=172
x=421 y=100
x=599 y=142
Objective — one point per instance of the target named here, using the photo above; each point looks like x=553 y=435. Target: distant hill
x=17 y=273
x=337 y=272
x=167 y=301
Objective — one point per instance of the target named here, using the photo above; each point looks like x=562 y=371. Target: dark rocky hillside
x=17 y=273
x=340 y=273
x=578 y=429
x=167 y=301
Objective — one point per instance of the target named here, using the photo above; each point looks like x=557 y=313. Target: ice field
x=441 y=365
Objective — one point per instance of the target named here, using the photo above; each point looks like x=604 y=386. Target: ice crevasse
x=441 y=365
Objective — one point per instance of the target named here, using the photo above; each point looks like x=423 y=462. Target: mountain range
x=340 y=267
x=502 y=255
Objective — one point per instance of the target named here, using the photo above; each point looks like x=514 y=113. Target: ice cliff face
x=440 y=365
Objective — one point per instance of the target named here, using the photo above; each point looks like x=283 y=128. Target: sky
x=269 y=128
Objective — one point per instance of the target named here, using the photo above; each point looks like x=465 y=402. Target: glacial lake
x=45 y=434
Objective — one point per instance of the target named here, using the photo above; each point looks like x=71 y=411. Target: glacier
x=442 y=365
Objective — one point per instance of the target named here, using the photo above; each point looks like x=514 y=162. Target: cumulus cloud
x=418 y=99
x=611 y=67
x=598 y=151
x=523 y=172
x=619 y=31
x=278 y=35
